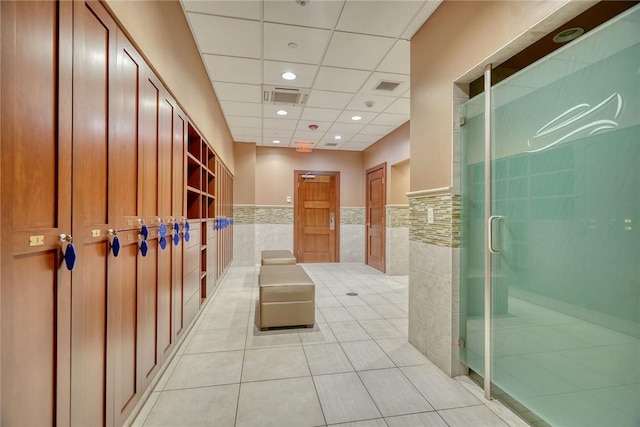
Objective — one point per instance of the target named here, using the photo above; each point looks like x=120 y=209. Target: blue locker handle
x=163 y=243
x=144 y=248
x=115 y=246
x=144 y=232
x=70 y=256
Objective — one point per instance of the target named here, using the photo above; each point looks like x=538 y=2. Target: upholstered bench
x=277 y=257
x=287 y=297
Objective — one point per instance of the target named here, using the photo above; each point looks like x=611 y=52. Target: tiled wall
x=397 y=240
x=262 y=227
x=434 y=279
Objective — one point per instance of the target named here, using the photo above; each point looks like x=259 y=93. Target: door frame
x=296 y=207
x=382 y=166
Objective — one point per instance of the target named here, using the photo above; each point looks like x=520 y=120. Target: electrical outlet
x=288 y=199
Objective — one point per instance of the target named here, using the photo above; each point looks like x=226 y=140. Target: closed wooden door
x=94 y=54
x=375 y=209
x=317 y=216
x=35 y=150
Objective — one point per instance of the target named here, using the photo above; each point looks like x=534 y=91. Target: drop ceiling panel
x=237 y=9
x=278 y=133
x=397 y=60
x=345 y=128
x=270 y=111
x=380 y=103
x=388 y=18
x=273 y=74
x=320 y=114
x=356 y=146
x=399 y=106
x=253 y=132
x=233 y=108
x=322 y=126
x=317 y=13
x=390 y=119
x=244 y=122
x=356 y=51
x=233 y=70
x=283 y=124
x=270 y=142
x=340 y=79
x=374 y=80
x=238 y=92
x=226 y=36
x=345 y=117
x=310 y=43
x=324 y=99
x=364 y=139
x=330 y=138
x=310 y=136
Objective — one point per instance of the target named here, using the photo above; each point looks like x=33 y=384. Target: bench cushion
x=287 y=296
x=277 y=257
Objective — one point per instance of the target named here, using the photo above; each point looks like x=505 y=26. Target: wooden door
x=35 y=152
x=94 y=62
x=375 y=217
x=316 y=231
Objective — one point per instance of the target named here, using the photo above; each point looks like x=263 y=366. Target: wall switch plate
x=288 y=199
x=430 y=216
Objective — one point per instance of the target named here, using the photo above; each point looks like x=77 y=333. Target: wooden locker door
x=165 y=266
x=375 y=210
x=94 y=62
x=123 y=345
x=149 y=106
x=35 y=150
x=178 y=204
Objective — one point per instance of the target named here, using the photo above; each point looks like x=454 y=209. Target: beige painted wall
x=244 y=181
x=275 y=166
x=160 y=31
x=454 y=45
x=399 y=183
x=393 y=148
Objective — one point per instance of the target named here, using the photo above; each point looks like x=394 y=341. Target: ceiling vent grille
x=284 y=95
x=331 y=144
x=387 y=86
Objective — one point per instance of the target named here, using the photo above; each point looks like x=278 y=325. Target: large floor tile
x=402 y=353
x=379 y=329
x=206 y=369
x=349 y=331
x=425 y=419
x=206 y=406
x=214 y=320
x=274 y=363
x=389 y=311
x=377 y=422
x=217 y=340
x=374 y=299
x=440 y=391
x=402 y=325
x=365 y=355
x=327 y=302
x=280 y=403
x=336 y=314
x=327 y=359
x=351 y=300
x=363 y=312
x=276 y=338
x=344 y=398
x=477 y=416
x=320 y=333
x=393 y=393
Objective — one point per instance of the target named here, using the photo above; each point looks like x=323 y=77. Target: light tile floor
x=354 y=368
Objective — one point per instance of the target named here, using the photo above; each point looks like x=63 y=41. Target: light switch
x=430 y=216
x=288 y=199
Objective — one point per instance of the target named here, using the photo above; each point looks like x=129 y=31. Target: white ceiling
x=344 y=49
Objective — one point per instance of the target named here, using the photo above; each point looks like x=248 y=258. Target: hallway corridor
x=355 y=367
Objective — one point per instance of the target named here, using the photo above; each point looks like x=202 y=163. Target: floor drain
x=352 y=294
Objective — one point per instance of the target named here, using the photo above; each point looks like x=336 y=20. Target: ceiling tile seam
x=222 y=16
x=262 y=71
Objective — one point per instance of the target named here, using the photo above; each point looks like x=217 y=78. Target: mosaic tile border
x=445 y=230
x=397 y=216
x=352 y=216
x=252 y=214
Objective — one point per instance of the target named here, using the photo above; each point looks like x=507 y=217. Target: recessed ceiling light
x=289 y=75
x=337 y=137
x=568 y=35
x=281 y=113
x=275 y=141
x=356 y=118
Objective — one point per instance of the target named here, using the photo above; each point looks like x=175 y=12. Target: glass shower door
x=565 y=188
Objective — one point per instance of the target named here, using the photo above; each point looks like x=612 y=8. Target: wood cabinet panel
x=35 y=80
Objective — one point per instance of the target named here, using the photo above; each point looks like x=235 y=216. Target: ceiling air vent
x=387 y=86
x=331 y=144
x=284 y=95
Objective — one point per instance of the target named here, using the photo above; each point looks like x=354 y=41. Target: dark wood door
x=94 y=54
x=375 y=216
x=35 y=150
x=317 y=216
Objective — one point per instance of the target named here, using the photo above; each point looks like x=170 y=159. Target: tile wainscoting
x=267 y=227
x=434 y=281
x=397 y=240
